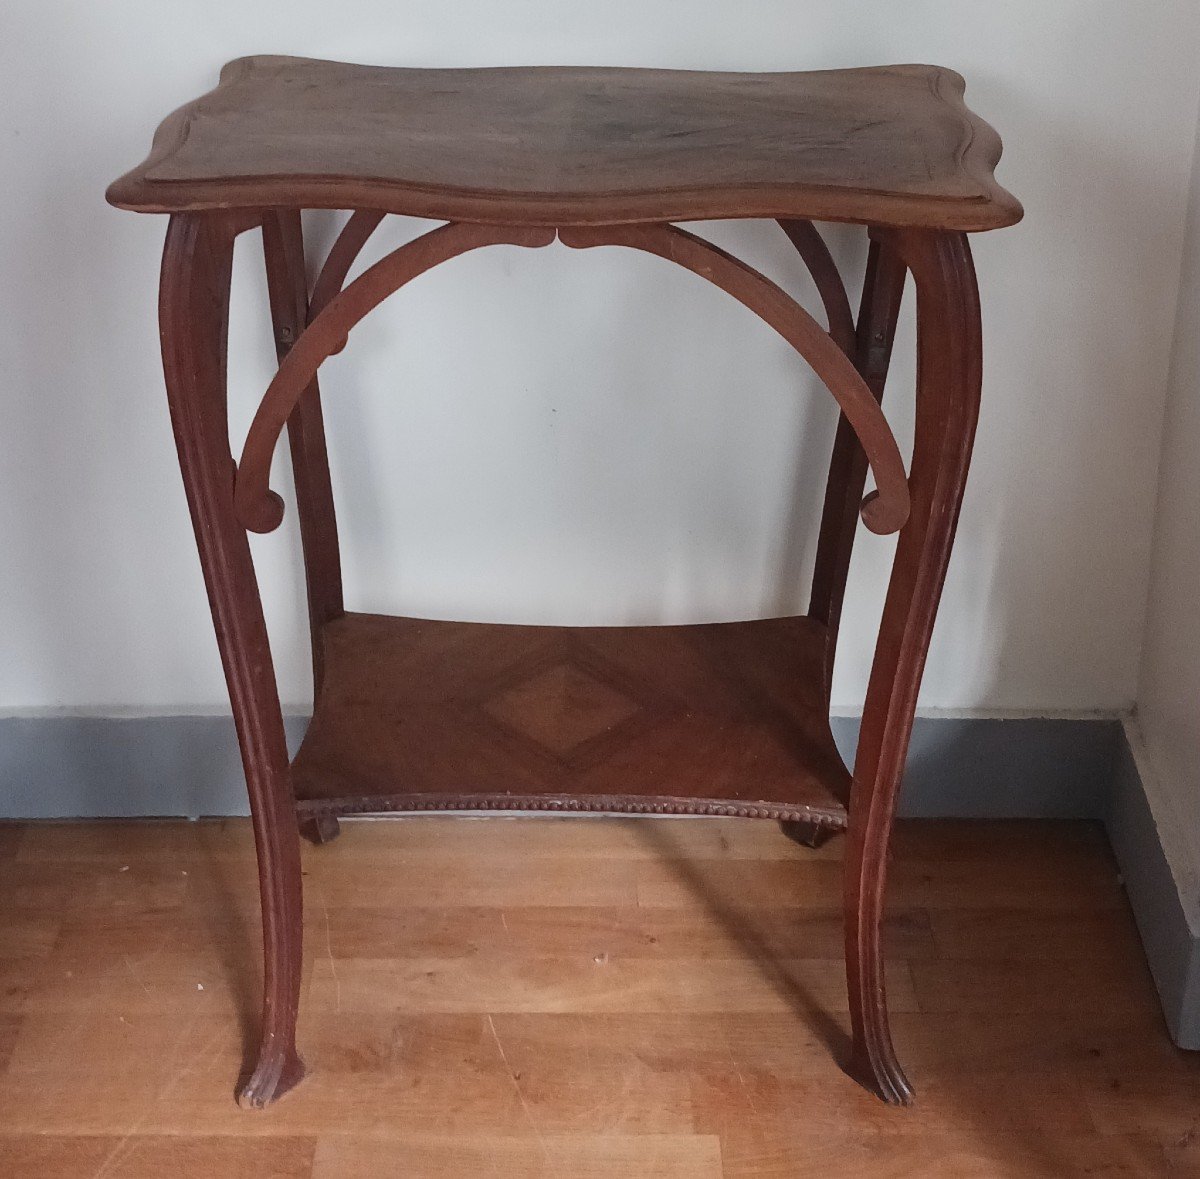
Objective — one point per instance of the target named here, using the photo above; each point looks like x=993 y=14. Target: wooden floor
x=583 y=997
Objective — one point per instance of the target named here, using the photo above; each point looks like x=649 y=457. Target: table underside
x=716 y=719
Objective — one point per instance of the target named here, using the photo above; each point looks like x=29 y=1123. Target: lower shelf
x=718 y=719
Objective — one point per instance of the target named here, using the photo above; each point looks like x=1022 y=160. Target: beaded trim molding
x=614 y=804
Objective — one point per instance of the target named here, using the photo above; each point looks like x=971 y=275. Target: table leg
x=287 y=284
x=869 y=345
x=283 y=250
x=872 y=350
x=947 y=407
x=194 y=313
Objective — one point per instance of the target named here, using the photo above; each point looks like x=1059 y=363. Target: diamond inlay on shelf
x=562 y=707
x=718 y=718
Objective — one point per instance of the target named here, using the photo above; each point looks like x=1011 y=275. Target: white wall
x=1168 y=702
x=592 y=437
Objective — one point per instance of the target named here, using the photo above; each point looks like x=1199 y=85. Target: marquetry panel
x=723 y=718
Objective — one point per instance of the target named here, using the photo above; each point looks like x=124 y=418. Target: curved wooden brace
x=258 y=507
x=342 y=254
x=813 y=251
x=884 y=510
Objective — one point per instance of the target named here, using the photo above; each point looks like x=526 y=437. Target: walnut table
x=720 y=719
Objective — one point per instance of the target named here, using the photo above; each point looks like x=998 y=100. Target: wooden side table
x=725 y=719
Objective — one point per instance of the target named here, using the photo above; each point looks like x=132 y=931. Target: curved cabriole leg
x=193 y=309
x=948 y=387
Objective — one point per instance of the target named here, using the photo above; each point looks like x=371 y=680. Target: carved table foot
x=881 y=1074
x=276 y=1073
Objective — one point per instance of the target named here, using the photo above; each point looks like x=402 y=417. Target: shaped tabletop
x=892 y=145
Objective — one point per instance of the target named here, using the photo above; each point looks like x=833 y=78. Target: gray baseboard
x=91 y=767
x=1166 y=907
x=1002 y=768
x=973 y=767
x=66 y=767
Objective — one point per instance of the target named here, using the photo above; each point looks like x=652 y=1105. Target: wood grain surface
x=415 y=714
x=889 y=145
x=626 y=999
